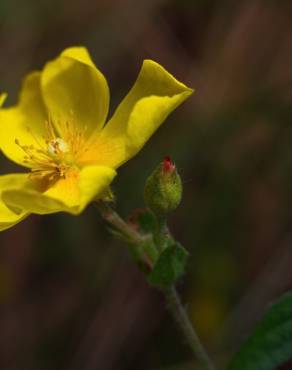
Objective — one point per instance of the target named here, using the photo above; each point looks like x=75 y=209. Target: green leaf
x=270 y=344
x=169 y=266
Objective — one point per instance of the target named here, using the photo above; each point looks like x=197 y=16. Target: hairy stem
x=175 y=306
x=181 y=317
x=112 y=217
x=138 y=243
x=160 y=234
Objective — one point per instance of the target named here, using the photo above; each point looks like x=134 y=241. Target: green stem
x=181 y=317
x=171 y=295
x=160 y=234
x=132 y=236
x=115 y=220
x=176 y=308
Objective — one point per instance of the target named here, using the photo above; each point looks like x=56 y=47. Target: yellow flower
x=58 y=131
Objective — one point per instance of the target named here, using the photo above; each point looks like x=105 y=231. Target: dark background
x=70 y=296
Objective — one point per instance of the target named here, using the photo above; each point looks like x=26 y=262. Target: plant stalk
x=113 y=218
x=179 y=314
x=175 y=305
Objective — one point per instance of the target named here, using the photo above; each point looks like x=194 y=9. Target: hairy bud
x=163 y=189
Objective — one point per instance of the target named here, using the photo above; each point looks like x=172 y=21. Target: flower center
x=53 y=157
x=58 y=146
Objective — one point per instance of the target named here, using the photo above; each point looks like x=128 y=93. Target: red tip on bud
x=168 y=166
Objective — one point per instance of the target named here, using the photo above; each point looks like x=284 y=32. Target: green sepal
x=144 y=220
x=145 y=223
x=169 y=267
x=270 y=343
x=143 y=253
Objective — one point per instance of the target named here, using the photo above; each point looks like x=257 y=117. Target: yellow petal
x=153 y=97
x=8 y=218
x=70 y=195
x=75 y=92
x=78 y=53
x=3 y=97
x=25 y=121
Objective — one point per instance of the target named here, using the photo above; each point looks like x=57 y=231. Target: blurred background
x=70 y=296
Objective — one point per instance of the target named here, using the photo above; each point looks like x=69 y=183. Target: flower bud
x=163 y=189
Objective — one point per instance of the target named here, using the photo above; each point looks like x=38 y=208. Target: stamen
x=52 y=157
